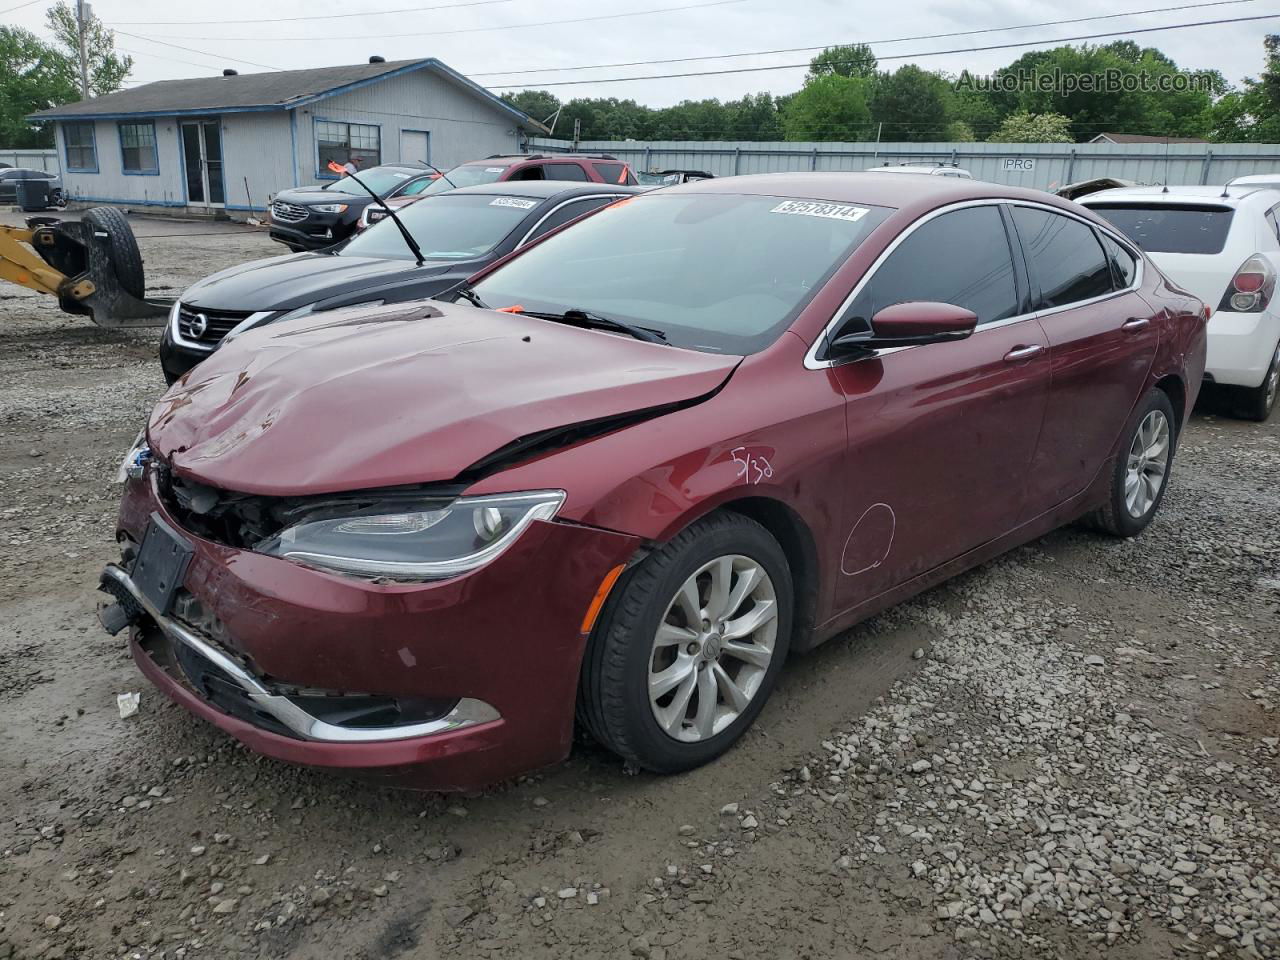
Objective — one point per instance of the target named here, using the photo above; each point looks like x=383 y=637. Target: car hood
x=316 y=193
x=286 y=283
x=404 y=394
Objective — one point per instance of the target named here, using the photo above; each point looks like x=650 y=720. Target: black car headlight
x=403 y=543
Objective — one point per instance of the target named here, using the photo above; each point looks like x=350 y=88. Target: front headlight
x=134 y=463
x=408 y=544
x=329 y=207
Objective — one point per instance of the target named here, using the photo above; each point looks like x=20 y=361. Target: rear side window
x=1123 y=264
x=614 y=173
x=1274 y=222
x=1166 y=228
x=961 y=258
x=1064 y=256
x=565 y=171
x=569 y=211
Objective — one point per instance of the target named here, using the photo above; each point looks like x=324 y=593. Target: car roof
x=1235 y=195
x=910 y=194
x=542 y=189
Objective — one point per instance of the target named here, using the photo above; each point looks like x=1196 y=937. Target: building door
x=202 y=158
x=415 y=145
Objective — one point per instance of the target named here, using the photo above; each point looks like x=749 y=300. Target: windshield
x=1165 y=228
x=451 y=227
x=467 y=175
x=714 y=272
x=381 y=180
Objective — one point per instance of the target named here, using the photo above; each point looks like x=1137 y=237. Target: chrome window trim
x=564 y=203
x=811 y=361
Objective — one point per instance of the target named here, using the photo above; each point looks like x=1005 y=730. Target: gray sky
x=729 y=27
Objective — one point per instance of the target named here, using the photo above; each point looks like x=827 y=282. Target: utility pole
x=83 y=13
x=577 y=132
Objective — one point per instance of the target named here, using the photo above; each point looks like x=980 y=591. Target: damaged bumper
x=477 y=673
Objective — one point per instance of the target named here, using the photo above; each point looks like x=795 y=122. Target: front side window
x=81 y=146
x=1170 y=228
x=343 y=143
x=534 y=172
x=448 y=227
x=614 y=173
x=138 y=148
x=721 y=273
x=960 y=258
x=1064 y=255
x=565 y=171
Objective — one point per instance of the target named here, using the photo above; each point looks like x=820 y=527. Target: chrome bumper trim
x=466 y=713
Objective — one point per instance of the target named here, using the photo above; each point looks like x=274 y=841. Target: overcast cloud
x=738 y=26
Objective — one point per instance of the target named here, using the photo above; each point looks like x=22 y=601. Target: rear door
x=1102 y=340
x=941 y=436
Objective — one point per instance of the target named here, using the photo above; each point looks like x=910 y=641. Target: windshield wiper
x=408 y=237
x=469 y=295
x=593 y=321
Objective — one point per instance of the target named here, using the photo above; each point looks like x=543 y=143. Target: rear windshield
x=467 y=175
x=714 y=272
x=450 y=227
x=1165 y=228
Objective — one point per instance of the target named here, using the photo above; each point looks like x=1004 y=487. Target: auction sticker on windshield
x=514 y=202
x=812 y=208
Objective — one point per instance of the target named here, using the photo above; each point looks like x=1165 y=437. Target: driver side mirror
x=910 y=324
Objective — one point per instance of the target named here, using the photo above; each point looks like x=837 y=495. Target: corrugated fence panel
x=32 y=159
x=1043 y=166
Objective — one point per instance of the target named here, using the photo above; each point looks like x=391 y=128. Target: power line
x=318 y=16
x=29 y=3
x=914 y=56
x=161 y=56
x=930 y=36
x=440 y=33
x=203 y=53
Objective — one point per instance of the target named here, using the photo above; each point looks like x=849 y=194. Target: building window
x=360 y=143
x=138 y=147
x=81 y=147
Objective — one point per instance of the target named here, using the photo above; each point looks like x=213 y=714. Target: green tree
x=31 y=79
x=539 y=104
x=960 y=132
x=107 y=69
x=1023 y=127
x=830 y=107
x=1251 y=115
x=911 y=103
x=851 y=60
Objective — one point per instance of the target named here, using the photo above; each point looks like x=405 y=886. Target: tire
x=1120 y=516
x=614 y=703
x=1258 y=402
x=126 y=258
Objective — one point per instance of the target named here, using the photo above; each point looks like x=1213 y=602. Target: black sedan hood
x=316 y=193
x=286 y=283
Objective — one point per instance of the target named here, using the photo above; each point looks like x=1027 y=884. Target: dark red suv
x=628 y=471
x=582 y=167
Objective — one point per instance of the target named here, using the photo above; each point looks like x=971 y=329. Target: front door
x=202 y=160
x=941 y=436
x=1102 y=340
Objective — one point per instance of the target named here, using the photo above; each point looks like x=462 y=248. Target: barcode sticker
x=814 y=208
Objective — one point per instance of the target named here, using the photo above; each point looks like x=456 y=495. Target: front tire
x=689 y=646
x=1141 y=472
x=1258 y=402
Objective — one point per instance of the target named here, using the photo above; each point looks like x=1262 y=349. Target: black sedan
x=458 y=233
x=311 y=218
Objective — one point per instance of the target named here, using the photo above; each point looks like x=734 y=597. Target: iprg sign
x=1021 y=164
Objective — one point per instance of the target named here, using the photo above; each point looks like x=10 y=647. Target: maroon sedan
x=634 y=468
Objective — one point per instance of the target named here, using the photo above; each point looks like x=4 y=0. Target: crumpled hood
x=301 y=279
x=402 y=394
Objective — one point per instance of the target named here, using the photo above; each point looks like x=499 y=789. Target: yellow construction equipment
x=93 y=266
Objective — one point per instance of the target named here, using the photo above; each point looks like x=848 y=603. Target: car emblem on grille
x=199 y=325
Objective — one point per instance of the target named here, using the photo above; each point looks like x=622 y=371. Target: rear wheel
x=689 y=647
x=1141 y=471
x=125 y=256
x=1258 y=402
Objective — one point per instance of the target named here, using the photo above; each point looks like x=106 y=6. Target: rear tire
x=735 y=574
x=1140 y=475
x=125 y=256
x=1258 y=402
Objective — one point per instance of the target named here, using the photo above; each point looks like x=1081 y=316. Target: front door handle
x=1134 y=324
x=1018 y=354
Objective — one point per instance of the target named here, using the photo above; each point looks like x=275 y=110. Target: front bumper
x=175 y=359
x=503 y=643
x=317 y=231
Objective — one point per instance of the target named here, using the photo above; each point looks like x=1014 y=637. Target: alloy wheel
x=1273 y=381
x=713 y=648
x=1148 y=463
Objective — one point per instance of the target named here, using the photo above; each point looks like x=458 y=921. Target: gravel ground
x=1070 y=750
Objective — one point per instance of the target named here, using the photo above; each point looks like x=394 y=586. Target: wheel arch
x=1171 y=384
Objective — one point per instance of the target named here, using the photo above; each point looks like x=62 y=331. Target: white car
x=1223 y=245
x=927 y=167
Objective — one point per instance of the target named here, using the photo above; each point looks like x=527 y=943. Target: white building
x=229 y=142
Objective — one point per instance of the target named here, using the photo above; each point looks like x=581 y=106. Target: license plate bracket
x=162 y=564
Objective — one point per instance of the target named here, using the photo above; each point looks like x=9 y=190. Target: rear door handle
x=1023 y=353
x=1134 y=324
